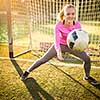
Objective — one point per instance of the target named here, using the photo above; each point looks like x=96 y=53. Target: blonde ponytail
x=61 y=15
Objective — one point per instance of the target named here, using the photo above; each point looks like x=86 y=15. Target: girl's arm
x=57 y=42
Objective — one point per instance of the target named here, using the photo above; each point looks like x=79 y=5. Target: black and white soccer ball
x=78 y=40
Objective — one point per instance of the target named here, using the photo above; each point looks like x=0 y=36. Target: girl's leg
x=87 y=63
x=81 y=55
x=47 y=56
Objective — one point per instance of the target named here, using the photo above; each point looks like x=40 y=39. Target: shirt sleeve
x=57 y=37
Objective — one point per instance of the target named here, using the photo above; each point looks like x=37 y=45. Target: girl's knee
x=87 y=59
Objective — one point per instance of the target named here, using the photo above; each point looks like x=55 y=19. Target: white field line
x=54 y=63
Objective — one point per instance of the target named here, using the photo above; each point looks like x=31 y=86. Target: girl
x=66 y=23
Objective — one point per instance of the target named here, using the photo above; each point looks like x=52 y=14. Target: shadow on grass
x=35 y=90
x=32 y=86
x=97 y=86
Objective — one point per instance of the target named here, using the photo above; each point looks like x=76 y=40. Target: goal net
x=33 y=23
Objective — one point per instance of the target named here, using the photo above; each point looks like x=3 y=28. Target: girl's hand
x=59 y=55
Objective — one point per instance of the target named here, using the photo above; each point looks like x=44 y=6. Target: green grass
x=46 y=82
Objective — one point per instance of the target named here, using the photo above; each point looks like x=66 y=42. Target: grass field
x=47 y=82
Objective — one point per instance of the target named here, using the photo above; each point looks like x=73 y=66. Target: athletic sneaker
x=24 y=76
x=91 y=80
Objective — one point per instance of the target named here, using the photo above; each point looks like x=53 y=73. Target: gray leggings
x=52 y=53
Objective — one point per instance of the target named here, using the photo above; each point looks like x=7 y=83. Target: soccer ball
x=78 y=40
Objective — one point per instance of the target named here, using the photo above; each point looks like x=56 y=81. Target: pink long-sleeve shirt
x=61 y=33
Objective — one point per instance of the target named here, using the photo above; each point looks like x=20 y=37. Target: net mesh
x=88 y=12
